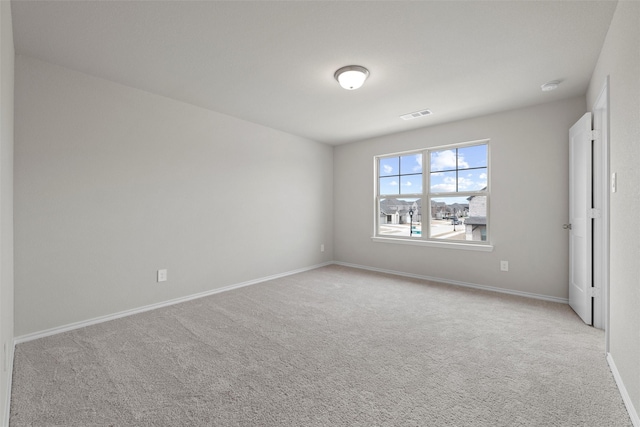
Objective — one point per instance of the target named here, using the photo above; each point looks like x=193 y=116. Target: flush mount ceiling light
x=351 y=77
x=549 y=86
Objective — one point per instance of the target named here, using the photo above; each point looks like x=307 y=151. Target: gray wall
x=529 y=190
x=113 y=183
x=620 y=60
x=6 y=203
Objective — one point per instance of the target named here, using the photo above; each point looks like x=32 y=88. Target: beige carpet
x=330 y=347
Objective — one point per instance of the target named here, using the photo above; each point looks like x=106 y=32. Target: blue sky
x=403 y=175
x=407 y=171
x=443 y=165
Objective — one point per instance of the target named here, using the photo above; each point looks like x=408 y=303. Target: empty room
x=320 y=213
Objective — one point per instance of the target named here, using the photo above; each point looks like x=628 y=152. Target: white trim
x=633 y=414
x=96 y=320
x=426 y=194
x=601 y=202
x=458 y=283
x=435 y=147
x=7 y=403
x=435 y=244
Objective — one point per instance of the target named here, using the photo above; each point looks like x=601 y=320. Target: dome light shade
x=351 y=77
x=549 y=86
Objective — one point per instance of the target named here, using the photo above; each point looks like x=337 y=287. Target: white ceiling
x=272 y=63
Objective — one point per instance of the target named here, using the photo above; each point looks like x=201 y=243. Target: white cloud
x=461 y=163
x=443 y=188
x=387 y=169
x=448 y=184
x=465 y=184
x=446 y=160
x=483 y=176
x=408 y=184
x=393 y=183
x=418 y=168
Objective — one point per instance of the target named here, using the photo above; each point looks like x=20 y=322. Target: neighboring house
x=440 y=210
x=394 y=211
x=476 y=223
x=458 y=210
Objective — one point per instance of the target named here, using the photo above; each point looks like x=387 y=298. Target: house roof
x=471 y=197
x=391 y=205
x=476 y=220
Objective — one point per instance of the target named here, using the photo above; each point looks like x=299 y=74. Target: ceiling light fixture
x=549 y=86
x=351 y=77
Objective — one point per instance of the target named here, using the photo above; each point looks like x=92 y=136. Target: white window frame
x=426 y=195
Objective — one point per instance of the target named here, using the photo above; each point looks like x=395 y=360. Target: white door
x=580 y=209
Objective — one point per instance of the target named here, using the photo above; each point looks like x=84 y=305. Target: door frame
x=601 y=195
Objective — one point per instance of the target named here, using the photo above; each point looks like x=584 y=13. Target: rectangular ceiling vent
x=415 y=115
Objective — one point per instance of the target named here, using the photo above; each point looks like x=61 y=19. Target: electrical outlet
x=504 y=265
x=162 y=275
x=322 y=248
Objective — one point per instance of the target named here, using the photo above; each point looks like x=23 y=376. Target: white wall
x=6 y=204
x=620 y=60
x=529 y=191
x=113 y=183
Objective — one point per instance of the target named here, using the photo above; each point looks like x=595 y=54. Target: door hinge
x=595 y=135
x=593 y=292
x=594 y=213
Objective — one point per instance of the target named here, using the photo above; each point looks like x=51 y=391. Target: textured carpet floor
x=330 y=347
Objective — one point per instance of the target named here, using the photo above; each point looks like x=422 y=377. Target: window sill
x=435 y=244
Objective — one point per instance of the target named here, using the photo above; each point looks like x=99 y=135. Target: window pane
x=443 y=182
x=389 y=166
x=443 y=160
x=400 y=217
x=411 y=164
x=389 y=185
x=411 y=184
x=476 y=223
x=459 y=218
x=472 y=179
x=454 y=200
x=472 y=157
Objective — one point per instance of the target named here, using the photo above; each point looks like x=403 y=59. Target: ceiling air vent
x=415 y=114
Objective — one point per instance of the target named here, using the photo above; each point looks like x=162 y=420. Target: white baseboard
x=106 y=318
x=7 y=402
x=635 y=419
x=89 y=322
x=633 y=414
x=457 y=283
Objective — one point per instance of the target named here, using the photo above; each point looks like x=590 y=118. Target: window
x=435 y=195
